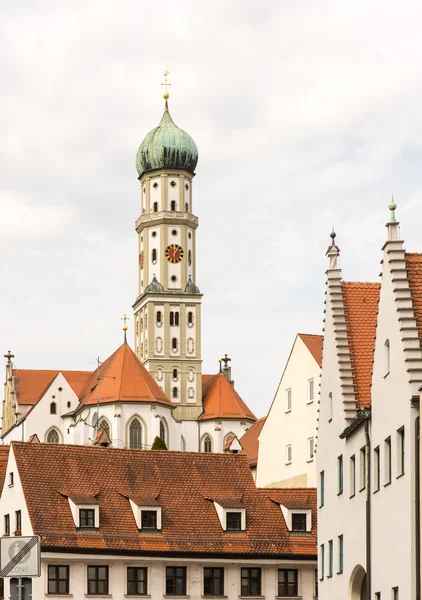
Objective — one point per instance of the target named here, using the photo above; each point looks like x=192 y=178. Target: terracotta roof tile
x=185 y=482
x=314 y=344
x=31 y=384
x=249 y=441
x=414 y=273
x=221 y=401
x=361 y=310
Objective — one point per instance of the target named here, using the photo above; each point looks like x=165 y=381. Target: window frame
x=401 y=451
x=330 y=558
x=288 y=593
x=352 y=476
x=84 y=512
x=322 y=562
x=377 y=469
x=340 y=554
x=212 y=581
x=289 y=454
x=362 y=467
x=136 y=581
x=57 y=579
x=18 y=521
x=310 y=446
x=135 y=434
x=97 y=581
x=175 y=591
x=340 y=475
x=247 y=573
x=237 y=521
x=387 y=461
x=7 y=524
x=301 y=515
x=149 y=513
x=321 y=489
x=310 y=388
x=288 y=406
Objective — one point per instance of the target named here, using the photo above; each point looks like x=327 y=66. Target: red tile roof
x=294 y=498
x=414 y=273
x=31 y=384
x=221 y=401
x=314 y=344
x=249 y=441
x=184 y=484
x=4 y=457
x=361 y=310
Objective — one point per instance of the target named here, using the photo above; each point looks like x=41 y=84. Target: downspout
x=417 y=508
x=368 y=509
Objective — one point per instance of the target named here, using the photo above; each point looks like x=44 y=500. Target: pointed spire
x=333 y=252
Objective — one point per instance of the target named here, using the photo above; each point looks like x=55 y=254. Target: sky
x=307 y=116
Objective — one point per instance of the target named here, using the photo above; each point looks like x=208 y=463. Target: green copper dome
x=167 y=147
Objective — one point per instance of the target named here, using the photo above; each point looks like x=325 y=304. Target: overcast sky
x=307 y=115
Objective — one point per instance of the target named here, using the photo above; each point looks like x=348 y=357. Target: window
x=1 y=587
x=86 y=517
x=171 y=318
x=362 y=460
x=175 y=374
x=311 y=448
x=11 y=479
x=321 y=488
x=400 y=451
x=377 y=471
x=137 y=581
x=387 y=458
x=190 y=318
x=330 y=407
x=316 y=584
x=173 y=205
x=135 y=434
x=159 y=317
x=330 y=558
x=377 y=595
x=53 y=437
x=176 y=581
x=58 y=579
x=189 y=257
x=53 y=408
x=340 y=473
x=154 y=256
x=298 y=523
x=207 y=444
x=104 y=425
x=174 y=343
x=176 y=319
x=288 y=454
x=155 y=206
x=98 y=580
x=250 y=582
x=287 y=582
x=352 y=476
x=149 y=519
x=340 y=554
x=175 y=392
x=163 y=431
x=213 y=581
x=6 y=524
x=289 y=400
x=310 y=391
x=234 y=521
x=386 y=357
x=395 y=593
x=18 y=516
x=322 y=554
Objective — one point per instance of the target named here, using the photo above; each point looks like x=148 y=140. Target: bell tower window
x=190 y=318
x=155 y=207
x=175 y=392
x=176 y=319
x=189 y=257
x=171 y=318
x=187 y=207
x=154 y=256
x=175 y=375
x=159 y=317
x=173 y=205
x=174 y=343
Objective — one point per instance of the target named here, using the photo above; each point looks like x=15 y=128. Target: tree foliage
x=158 y=444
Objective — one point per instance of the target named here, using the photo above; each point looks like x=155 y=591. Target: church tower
x=167 y=312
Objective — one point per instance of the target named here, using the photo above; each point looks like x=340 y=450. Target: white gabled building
x=368 y=452
x=287 y=439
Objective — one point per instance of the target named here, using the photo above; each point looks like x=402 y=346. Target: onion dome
x=167 y=147
x=155 y=286
x=191 y=288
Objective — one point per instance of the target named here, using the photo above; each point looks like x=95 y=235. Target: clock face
x=174 y=253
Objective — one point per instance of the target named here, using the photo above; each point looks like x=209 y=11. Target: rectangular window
x=377 y=472
x=362 y=460
x=287 y=582
x=213 y=581
x=58 y=579
x=289 y=400
x=149 y=519
x=330 y=558
x=10 y=479
x=176 y=581
x=1 y=587
x=251 y=582
x=137 y=581
x=18 y=515
x=234 y=521
x=299 y=522
x=311 y=448
x=321 y=488
x=340 y=554
x=310 y=390
x=400 y=451
x=6 y=524
x=340 y=473
x=288 y=454
x=322 y=564
x=86 y=517
x=98 y=579
x=316 y=583
x=352 y=476
x=395 y=593
x=387 y=461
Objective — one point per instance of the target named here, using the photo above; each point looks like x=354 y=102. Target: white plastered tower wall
x=340 y=514
x=292 y=427
x=397 y=377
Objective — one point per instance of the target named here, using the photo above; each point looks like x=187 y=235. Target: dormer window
x=230 y=514
x=234 y=521
x=86 y=517
x=85 y=511
x=149 y=519
x=299 y=522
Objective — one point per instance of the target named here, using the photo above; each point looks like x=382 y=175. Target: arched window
x=175 y=374
x=135 y=434
x=171 y=318
x=187 y=207
x=387 y=357
x=159 y=317
x=190 y=318
x=207 y=444
x=53 y=437
x=176 y=319
x=53 y=408
x=155 y=206
x=175 y=392
x=174 y=343
x=173 y=205
x=189 y=257
x=154 y=255
x=163 y=431
x=105 y=426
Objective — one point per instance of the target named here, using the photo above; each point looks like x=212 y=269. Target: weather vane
x=166 y=95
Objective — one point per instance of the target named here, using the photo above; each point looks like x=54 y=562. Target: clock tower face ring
x=174 y=253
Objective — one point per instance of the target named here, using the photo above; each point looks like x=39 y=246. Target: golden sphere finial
x=166 y=95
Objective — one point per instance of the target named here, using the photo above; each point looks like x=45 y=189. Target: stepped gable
x=361 y=310
x=32 y=384
x=221 y=401
x=123 y=378
x=184 y=484
x=314 y=344
x=414 y=273
x=249 y=442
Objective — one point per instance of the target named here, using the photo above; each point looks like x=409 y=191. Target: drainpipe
x=417 y=508
x=368 y=509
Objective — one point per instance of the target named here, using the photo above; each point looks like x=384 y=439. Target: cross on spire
x=9 y=357
x=166 y=95
x=125 y=319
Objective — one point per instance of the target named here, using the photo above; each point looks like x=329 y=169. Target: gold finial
x=124 y=319
x=166 y=95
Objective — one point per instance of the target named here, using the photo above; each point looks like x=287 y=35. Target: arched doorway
x=357 y=584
